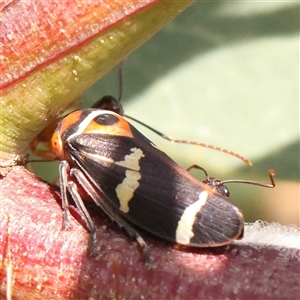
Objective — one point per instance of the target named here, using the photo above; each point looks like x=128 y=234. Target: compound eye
x=217 y=186
x=223 y=190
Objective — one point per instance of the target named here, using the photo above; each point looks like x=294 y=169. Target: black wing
x=153 y=192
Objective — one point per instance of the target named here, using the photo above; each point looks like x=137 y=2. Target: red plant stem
x=48 y=263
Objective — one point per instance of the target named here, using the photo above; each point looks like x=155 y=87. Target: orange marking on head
x=121 y=128
x=70 y=120
x=57 y=144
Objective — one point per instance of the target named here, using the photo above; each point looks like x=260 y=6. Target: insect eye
x=106 y=119
x=217 y=186
x=223 y=190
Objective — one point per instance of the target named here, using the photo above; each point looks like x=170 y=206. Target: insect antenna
x=113 y=104
x=110 y=102
x=166 y=137
x=270 y=184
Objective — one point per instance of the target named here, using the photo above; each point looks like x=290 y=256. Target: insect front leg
x=63 y=180
x=72 y=187
x=69 y=186
x=109 y=211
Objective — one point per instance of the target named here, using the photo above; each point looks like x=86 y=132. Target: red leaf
x=49 y=29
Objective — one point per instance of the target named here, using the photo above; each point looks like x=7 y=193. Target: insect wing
x=152 y=191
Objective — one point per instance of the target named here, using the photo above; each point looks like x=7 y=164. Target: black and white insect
x=135 y=183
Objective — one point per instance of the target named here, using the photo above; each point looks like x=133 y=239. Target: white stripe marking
x=87 y=120
x=97 y=157
x=131 y=161
x=125 y=190
x=184 y=231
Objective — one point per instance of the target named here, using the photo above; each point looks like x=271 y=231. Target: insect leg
x=198 y=168
x=63 y=178
x=72 y=187
x=109 y=211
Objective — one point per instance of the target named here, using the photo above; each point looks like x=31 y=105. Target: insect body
x=134 y=182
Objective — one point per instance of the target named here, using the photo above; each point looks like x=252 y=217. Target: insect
x=134 y=182
x=220 y=187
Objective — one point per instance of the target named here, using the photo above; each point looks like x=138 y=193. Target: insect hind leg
x=109 y=211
